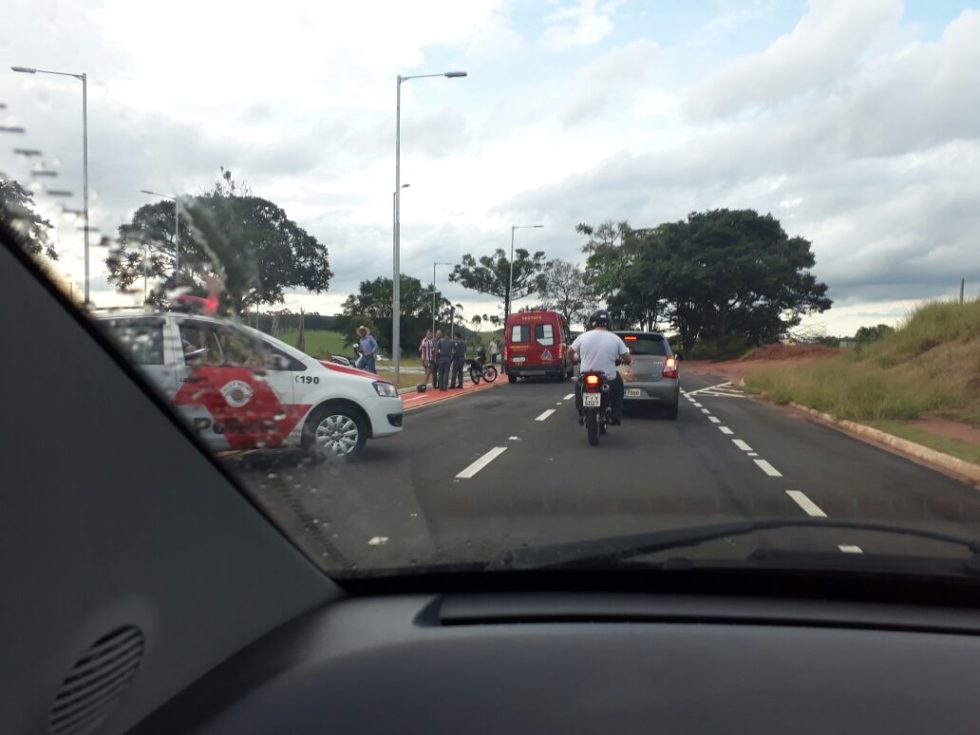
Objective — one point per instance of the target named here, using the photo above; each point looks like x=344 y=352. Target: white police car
x=242 y=389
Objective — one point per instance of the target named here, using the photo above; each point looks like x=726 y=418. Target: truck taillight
x=670 y=368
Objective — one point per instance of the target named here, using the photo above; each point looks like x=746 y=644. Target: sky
x=856 y=124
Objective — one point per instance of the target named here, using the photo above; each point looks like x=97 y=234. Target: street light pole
x=510 y=283
x=396 y=294
x=84 y=80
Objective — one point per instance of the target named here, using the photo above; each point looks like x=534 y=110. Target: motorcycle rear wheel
x=592 y=427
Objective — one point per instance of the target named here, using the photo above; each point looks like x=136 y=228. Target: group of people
x=443 y=358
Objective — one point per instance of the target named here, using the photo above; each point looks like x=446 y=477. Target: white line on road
x=696 y=404
x=767 y=468
x=850 y=549
x=704 y=410
x=725 y=430
x=568 y=397
x=545 y=415
x=808 y=506
x=559 y=403
x=513 y=438
x=753 y=454
x=714 y=419
x=699 y=390
x=742 y=445
x=481 y=463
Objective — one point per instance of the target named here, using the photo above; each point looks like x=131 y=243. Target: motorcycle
x=596 y=404
x=478 y=369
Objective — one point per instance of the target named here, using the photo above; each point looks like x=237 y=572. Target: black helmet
x=599 y=318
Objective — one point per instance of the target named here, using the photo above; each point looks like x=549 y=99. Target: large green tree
x=17 y=209
x=491 y=274
x=248 y=243
x=371 y=305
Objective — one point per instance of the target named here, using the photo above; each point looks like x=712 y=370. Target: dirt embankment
x=759 y=358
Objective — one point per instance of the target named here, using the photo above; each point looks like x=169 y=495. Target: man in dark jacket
x=459 y=358
x=444 y=356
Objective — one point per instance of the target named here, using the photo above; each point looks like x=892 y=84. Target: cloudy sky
x=857 y=124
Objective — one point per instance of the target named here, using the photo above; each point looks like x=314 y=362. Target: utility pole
x=962 y=288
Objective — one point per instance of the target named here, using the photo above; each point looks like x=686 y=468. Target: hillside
x=929 y=366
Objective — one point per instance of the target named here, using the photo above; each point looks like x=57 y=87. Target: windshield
x=351 y=247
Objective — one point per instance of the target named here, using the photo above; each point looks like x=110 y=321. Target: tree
x=866 y=335
x=246 y=241
x=17 y=208
x=371 y=305
x=609 y=256
x=564 y=290
x=491 y=274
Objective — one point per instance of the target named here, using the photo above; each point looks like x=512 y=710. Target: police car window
x=520 y=333
x=200 y=345
x=142 y=343
x=240 y=349
x=640 y=345
x=544 y=334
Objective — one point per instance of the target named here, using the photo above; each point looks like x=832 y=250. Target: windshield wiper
x=607 y=550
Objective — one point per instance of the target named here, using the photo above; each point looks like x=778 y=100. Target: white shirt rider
x=598 y=349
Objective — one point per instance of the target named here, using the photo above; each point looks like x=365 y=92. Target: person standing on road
x=599 y=350
x=444 y=356
x=459 y=359
x=493 y=351
x=425 y=352
x=368 y=347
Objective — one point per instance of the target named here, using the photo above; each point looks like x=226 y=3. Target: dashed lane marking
x=569 y=397
x=753 y=454
x=481 y=463
x=742 y=445
x=714 y=419
x=725 y=430
x=545 y=415
x=705 y=411
x=767 y=468
x=850 y=549
x=808 y=506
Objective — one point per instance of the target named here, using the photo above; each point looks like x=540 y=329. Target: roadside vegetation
x=930 y=366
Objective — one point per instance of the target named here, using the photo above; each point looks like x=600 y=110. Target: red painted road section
x=415 y=400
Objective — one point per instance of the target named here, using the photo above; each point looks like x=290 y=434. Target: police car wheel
x=335 y=429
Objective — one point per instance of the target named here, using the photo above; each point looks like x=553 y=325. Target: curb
x=450 y=397
x=953 y=466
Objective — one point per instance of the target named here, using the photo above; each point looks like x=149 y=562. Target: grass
x=947 y=445
x=929 y=366
x=320 y=343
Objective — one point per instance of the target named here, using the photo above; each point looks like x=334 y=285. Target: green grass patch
x=929 y=366
x=320 y=344
x=954 y=447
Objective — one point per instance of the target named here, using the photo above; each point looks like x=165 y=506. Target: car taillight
x=592 y=381
x=670 y=368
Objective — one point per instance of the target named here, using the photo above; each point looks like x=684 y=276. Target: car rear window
x=544 y=334
x=520 y=333
x=646 y=345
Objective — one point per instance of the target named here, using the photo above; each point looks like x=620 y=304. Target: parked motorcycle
x=596 y=404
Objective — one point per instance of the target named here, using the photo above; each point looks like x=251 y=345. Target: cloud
x=584 y=23
x=824 y=47
x=494 y=41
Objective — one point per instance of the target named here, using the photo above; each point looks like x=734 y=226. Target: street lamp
x=84 y=80
x=396 y=294
x=176 y=229
x=441 y=262
x=510 y=283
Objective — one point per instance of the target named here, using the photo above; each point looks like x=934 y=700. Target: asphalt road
x=533 y=479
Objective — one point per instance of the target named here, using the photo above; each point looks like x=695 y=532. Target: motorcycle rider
x=599 y=350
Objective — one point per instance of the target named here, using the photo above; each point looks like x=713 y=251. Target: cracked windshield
x=489 y=285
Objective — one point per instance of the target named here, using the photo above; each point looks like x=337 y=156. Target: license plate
x=592 y=400
x=633 y=392
x=518 y=359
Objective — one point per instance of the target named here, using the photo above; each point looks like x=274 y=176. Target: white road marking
x=513 y=438
x=753 y=454
x=808 y=506
x=742 y=445
x=481 y=463
x=568 y=397
x=710 y=387
x=706 y=411
x=725 y=430
x=767 y=468
x=714 y=419
x=378 y=540
x=850 y=549
x=559 y=403
x=696 y=404
x=545 y=415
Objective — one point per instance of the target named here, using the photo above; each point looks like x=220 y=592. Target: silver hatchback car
x=652 y=377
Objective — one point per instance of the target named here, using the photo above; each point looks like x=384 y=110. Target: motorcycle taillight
x=592 y=382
